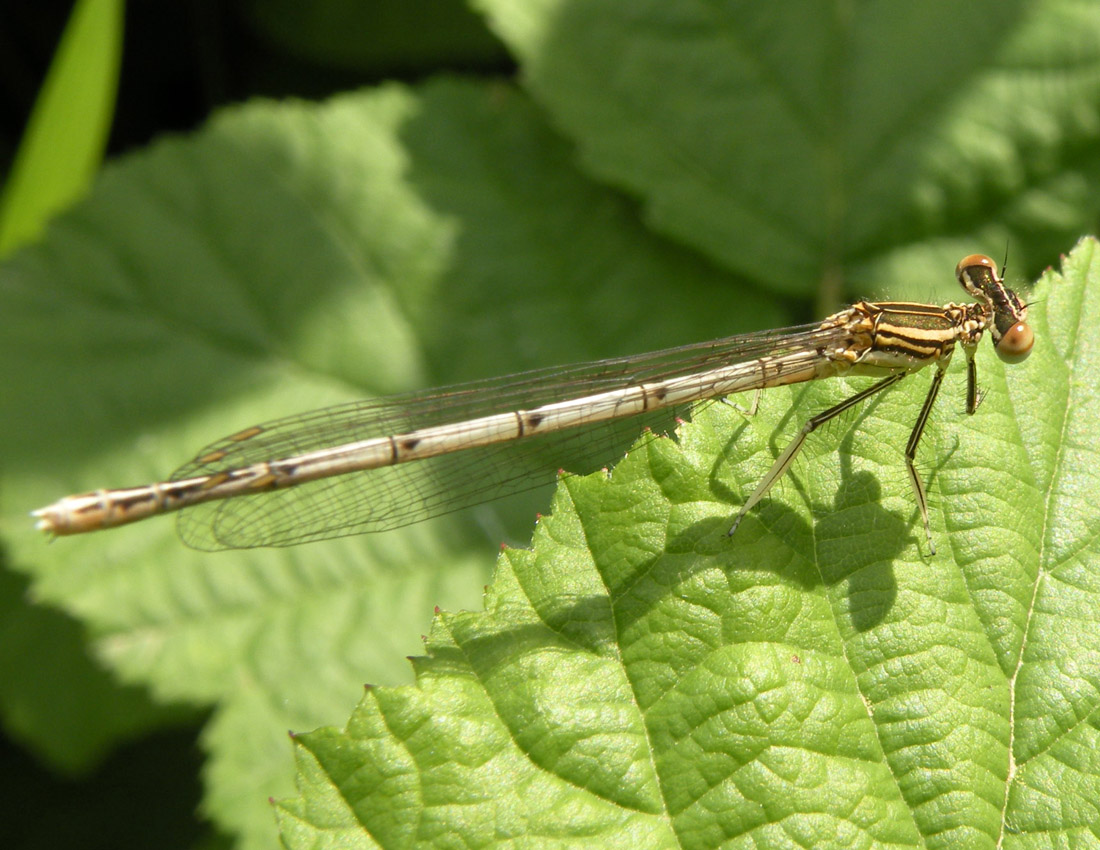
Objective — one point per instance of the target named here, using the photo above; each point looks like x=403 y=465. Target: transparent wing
x=393 y=496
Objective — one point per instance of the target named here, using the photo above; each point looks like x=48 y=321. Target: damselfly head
x=1012 y=337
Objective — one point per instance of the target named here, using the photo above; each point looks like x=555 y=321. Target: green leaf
x=286 y=257
x=65 y=138
x=831 y=133
x=638 y=679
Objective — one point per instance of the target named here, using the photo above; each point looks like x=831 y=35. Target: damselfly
x=348 y=469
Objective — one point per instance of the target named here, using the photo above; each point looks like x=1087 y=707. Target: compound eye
x=1015 y=343
x=967 y=263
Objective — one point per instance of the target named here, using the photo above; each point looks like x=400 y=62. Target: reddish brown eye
x=1015 y=344
x=972 y=260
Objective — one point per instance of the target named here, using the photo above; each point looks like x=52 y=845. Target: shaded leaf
x=828 y=135
x=287 y=257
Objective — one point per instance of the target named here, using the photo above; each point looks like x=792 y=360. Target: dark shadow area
x=182 y=61
x=145 y=795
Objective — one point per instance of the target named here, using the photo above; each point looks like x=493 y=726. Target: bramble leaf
x=639 y=679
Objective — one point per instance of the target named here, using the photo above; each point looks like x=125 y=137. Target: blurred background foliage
x=173 y=64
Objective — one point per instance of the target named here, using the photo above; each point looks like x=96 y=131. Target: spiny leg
x=973 y=394
x=911 y=451
x=785 y=459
